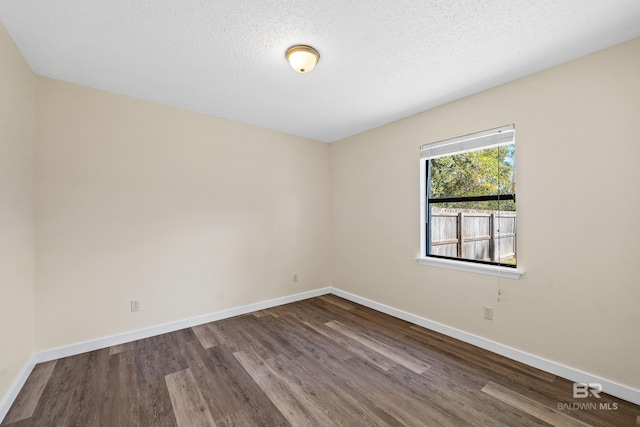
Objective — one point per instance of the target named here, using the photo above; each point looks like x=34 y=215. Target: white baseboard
x=614 y=389
x=15 y=388
x=100 y=343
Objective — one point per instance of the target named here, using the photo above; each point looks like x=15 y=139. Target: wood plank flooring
x=319 y=362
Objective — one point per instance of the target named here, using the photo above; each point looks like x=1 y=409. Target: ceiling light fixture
x=302 y=58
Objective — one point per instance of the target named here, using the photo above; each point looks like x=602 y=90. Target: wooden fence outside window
x=473 y=234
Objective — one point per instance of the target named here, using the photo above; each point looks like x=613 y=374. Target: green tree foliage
x=475 y=173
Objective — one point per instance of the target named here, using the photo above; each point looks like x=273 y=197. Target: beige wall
x=190 y=214
x=578 y=151
x=17 y=139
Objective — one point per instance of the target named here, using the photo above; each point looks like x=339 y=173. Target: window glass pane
x=476 y=173
x=469 y=231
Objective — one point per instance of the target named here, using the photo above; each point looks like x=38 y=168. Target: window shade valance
x=503 y=135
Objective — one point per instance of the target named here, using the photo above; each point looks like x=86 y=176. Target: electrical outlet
x=135 y=305
x=295 y=277
x=488 y=312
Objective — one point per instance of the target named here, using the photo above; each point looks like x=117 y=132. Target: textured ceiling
x=381 y=60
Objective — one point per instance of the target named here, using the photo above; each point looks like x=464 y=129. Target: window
x=468 y=199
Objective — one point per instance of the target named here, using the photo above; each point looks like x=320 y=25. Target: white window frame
x=491 y=137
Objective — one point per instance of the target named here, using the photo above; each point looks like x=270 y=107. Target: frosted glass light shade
x=302 y=58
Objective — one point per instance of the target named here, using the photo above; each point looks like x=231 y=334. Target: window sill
x=491 y=270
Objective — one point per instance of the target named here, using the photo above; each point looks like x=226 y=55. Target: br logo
x=583 y=390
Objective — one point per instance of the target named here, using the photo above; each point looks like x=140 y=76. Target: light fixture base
x=302 y=58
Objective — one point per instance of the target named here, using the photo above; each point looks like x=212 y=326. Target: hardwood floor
x=320 y=362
